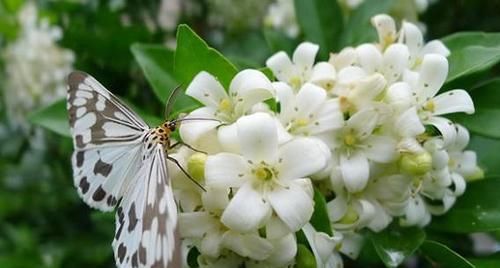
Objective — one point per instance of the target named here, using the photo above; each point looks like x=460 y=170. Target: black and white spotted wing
x=148 y=242
x=111 y=162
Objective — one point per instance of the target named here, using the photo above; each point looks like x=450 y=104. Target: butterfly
x=120 y=162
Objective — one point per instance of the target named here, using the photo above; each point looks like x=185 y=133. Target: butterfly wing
x=107 y=137
x=146 y=219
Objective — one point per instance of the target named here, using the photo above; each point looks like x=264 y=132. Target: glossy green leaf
x=478 y=210
x=193 y=55
x=53 y=117
x=319 y=219
x=321 y=22
x=442 y=256
x=485 y=120
x=359 y=28
x=395 y=244
x=471 y=52
x=487 y=155
x=157 y=64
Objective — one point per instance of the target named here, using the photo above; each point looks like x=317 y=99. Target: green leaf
x=322 y=22
x=488 y=154
x=471 y=52
x=359 y=28
x=319 y=219
x=305 y=258
x=53 y=117
x=193 y=55
x=278 y=41
x=443 y=257
x=486 y=262
x=156 y=61
x=395 y=244
x=485 y=120
x=478 y=210
x=157 y=64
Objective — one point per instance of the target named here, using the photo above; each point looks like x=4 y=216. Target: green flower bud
x=196 y=166
x=305 y=259
x=416 y=164
x=350 y=217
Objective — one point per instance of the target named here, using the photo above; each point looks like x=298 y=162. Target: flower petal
x=284 y=250
x=227 y=136
x=412 y=37
x=223 y=170
x=386 y=28
x=276 y=228
x=258 y=137
x=346 y=57
x=215 y=199
x=211 y=244
x=445 y=127
x=249 y=87
x=408 y=123
x=352 y=243
x=453 y=101
x=190 y=226
x=248 y=245
x=330 y=117
x=369 y=57
x=323 y=74
x=206 y=89
x=192 y=131
x=355 y=171
x=302 y=157
x=350 y=74
x=363 y=122
x=395 y=62
x=304 y=56
x=399 y=95
x=247 y=210
x=435 y=47
x=433 y=73
x=381 y=149
x=292 y=204
x=281 y=65
x=416 y=213
x=310 y=98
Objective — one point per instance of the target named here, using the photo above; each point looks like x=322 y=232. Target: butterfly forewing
x=146 y=222
x=107 y=138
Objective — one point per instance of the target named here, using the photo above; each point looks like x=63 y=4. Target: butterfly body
x=120 y=162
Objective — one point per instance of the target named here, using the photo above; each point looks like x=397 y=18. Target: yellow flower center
x=350 y=139
x=264 y=173
x=430 y=106
x=295 y=81
x=225 y=105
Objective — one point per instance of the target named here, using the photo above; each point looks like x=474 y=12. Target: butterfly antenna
x=171 y=100
x=195 y=119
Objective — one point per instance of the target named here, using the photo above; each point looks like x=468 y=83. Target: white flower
x=247 y=88
x=268 y=177
x=426 y=84
x=324 y=247
x=356 y=144
x=301 y=68
x=281 y=16
x=36 y=67
x=309 y=112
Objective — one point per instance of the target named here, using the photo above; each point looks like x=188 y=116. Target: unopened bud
x=416 y=164
x=305 y=259
x=196 y=166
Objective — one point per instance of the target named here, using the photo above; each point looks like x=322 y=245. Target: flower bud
x=416 y=164
x=196 y=166
x=350 y=216
x=305 y=259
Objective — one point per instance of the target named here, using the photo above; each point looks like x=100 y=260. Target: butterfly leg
x=187 y=145
x=185 y=172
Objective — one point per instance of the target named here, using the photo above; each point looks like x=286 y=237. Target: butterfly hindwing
x=146 y=219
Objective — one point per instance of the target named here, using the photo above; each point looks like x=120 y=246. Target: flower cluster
x=365 y=128
x=36 y=67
